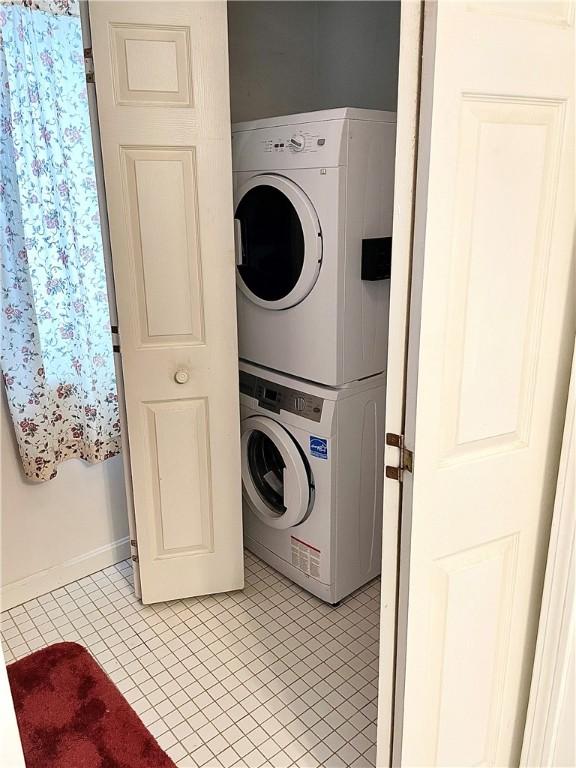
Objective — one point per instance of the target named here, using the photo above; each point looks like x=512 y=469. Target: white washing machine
x=313 y=224
x=312 y=478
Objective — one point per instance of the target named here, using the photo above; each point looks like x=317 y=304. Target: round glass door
x=267 y=470
x=275 y=477
x=278 y=242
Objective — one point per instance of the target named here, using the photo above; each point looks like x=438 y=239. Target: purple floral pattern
x=68 y=7
x=57 y=358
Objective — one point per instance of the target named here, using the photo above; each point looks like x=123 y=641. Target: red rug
x=71 y=715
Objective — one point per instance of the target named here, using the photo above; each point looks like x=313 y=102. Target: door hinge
x=89 y=65
x=406 y=461
x=115 y=338
x=134 y=546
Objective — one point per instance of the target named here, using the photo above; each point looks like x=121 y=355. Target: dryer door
x=276 y=478
x=278 y=242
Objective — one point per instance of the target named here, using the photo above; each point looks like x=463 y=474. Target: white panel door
x=163 y=103
x=491 y=323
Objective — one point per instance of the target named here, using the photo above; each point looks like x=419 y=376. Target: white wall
x=55 y=532
x=288 y=57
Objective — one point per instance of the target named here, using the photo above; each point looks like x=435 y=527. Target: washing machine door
x=278 y=242
x=276 y=478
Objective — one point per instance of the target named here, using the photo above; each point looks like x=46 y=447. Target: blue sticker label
x=319 y=447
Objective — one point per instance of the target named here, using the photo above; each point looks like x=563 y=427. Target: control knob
x=297 y=142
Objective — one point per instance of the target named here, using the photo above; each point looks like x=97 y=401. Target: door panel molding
x=162 y=228
x=492 y=162
x=136 y=83
x=467 y=581
x=180 y=463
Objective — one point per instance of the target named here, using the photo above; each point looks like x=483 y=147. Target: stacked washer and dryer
x=313 y=224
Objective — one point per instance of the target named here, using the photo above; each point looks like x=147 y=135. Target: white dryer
x=312 y=478
x=313 y=218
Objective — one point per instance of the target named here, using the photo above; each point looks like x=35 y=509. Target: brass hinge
x=89 y=65
x=406 y=462
x=134 y=545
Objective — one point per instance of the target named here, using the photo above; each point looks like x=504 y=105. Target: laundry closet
x=313 y=195
x=313 y=144
x=338 y=243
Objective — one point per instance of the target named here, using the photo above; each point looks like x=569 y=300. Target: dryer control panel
x=308 y=145
x=274 y=397
x=303 y=141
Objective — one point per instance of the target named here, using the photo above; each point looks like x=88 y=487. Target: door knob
x=181 y=376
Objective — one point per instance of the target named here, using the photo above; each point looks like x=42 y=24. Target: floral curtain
x=57 y=359
x=69 y=7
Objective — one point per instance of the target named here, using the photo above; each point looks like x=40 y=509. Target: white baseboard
x=64 y=573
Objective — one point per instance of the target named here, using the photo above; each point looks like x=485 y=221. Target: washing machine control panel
x=274 y=397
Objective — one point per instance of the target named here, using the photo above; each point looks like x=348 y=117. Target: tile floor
x=269 y=676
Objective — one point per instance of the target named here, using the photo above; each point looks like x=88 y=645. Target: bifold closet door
x=161 y=73
x=491 y=329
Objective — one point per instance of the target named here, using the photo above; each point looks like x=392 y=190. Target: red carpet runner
x=70 y=714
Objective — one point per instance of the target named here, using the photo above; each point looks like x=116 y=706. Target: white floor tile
x=269 y=676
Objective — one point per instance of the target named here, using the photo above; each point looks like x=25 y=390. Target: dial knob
x=297 y=142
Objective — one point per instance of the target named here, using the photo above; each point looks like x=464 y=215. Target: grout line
x=185 y=642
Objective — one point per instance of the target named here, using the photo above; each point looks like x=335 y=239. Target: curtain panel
x=57 y=358
x=66 y=7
